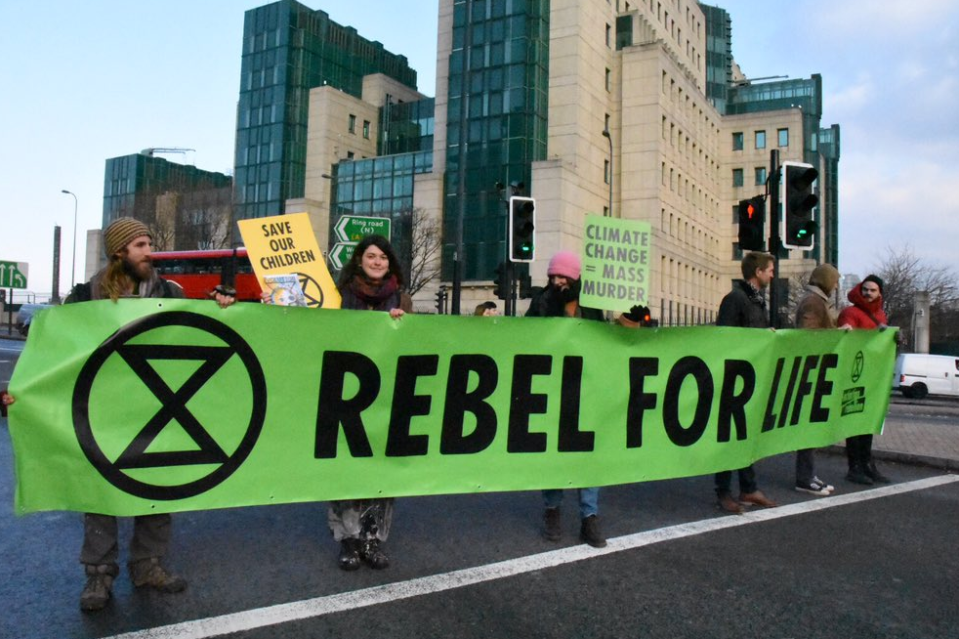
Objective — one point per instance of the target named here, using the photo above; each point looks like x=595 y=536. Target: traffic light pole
x=509 y=302
x=774 y=241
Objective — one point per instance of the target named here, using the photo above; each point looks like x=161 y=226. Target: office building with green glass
x=185 y=207
x=634 y=110
x=289 y=49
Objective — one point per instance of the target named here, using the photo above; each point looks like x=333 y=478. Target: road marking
x=319 y=606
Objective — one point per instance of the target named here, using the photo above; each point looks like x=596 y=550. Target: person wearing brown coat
x=815 y=311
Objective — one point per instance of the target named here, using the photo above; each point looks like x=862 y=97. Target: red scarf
x=374 y=294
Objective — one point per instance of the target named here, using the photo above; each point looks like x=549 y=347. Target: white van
x=918 y=375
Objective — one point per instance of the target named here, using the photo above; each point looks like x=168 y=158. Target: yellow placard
x=285 y=244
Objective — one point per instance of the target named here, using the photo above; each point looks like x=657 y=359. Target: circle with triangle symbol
x=171 y=433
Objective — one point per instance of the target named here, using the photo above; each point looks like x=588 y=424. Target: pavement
x=922 y=443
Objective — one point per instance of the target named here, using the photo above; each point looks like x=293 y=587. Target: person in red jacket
x=865 y=312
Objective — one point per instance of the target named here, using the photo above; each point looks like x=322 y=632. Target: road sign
x=13 y=274
x=341 y=254
x=352 y=228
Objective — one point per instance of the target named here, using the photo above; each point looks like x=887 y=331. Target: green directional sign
x=13 y=274
x=341 y=254
x=352 y=228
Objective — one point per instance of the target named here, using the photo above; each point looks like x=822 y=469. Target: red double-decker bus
x=199 y=272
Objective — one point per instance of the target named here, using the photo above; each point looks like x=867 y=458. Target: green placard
x=616 y=257
x=147 y=406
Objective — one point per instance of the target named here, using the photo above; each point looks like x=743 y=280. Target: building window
x=760 y=175
x=607 y=80
x=352 y=126
x=738 y=141
x=606 y=171
x=783 y=137
x=609 y=35
x=366 y=129
x=737 y=177
x=760 y=139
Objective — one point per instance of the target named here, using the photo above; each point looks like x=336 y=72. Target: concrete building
x=289 y=49
x=637 y=102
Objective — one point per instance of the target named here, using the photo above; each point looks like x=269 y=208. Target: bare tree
x=162 y=223
x=426 y=243
x=903 y=274
x=204 y=220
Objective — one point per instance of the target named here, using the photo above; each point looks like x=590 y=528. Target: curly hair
x=355 y=266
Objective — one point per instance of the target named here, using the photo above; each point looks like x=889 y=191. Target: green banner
x=148 y=406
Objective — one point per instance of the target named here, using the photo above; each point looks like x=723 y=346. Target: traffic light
x=501 y=281
x=799 y=223
x=522 y=229
x=752 y=224
x=441 y=301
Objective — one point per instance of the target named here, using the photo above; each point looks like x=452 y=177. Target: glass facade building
x=145 y=187
x=719 y=55
x=496 y=121
x=381 y=187
x=289 y=49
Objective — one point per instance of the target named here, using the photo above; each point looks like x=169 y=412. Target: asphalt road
x=675 y=567
x=865 y=563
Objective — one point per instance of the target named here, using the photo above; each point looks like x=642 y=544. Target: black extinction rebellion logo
x=140 y=357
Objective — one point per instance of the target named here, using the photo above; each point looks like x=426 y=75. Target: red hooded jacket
x=858 y=315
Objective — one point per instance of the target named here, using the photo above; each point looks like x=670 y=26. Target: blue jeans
x=588 y=501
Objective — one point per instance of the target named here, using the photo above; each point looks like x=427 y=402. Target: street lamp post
x=73 y=262
x=610 y=138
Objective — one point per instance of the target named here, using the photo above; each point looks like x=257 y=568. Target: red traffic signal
x=752 y=224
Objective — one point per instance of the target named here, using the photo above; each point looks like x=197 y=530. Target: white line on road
x=319 y=606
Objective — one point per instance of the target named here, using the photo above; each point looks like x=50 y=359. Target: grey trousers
x=805 y=465
x=151 y=538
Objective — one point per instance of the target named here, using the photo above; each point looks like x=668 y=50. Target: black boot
x=372 y=553
x=873 y=473
x=349 y=558
x=857 y=475
x=589 y=532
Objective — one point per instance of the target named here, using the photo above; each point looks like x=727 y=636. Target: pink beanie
x=565 y=263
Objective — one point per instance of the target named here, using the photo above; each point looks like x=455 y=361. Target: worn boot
x=98 y=589
x=857 y=475
x=552 y=525
x=349 y=558
x=873 y=473
x=589 y=532
x=373 y=555
x=149 y=573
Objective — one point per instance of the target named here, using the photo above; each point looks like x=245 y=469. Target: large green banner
x=148 y=406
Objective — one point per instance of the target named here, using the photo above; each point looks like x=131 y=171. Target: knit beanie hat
x=826 y=277
x=121 y=232
x=566 y=264
x=875 y=279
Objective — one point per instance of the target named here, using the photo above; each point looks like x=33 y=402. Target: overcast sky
x=87 y=81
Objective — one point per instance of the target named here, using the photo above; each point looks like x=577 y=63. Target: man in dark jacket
x=129 y=272
x=745 y=306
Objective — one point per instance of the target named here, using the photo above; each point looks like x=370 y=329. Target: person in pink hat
x=560 y=298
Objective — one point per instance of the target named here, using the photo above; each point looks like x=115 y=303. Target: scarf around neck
x=374 y=294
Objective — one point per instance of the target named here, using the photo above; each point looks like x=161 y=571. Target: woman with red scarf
x=372 y=281
x=866 y=312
